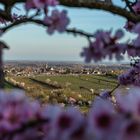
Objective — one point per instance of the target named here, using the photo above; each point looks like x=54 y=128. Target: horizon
x=69 y=61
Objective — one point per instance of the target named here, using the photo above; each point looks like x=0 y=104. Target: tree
x=108 y=119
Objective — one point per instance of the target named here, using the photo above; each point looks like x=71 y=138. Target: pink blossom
x=90 y=53
x=57 y=21
x=105 y=120
x=105 y=94
x=44 y=3
x=136 y=43
x=101 y=119
x=119 y=34
x=65 y=125
x=105 y=45
x=32 y=4
x=136 y=28
x=131 y=77
x=29 y=5
x=129 y=103
x=136 y=7
x=129 y=26
x=19 y=110
x=130 y=130
x=127 y=78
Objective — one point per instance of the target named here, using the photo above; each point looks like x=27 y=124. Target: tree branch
x=129 y=15
x=5 y=16
x=41 y=23
x=128 y=4
x=101 y=6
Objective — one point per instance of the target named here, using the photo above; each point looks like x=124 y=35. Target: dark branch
x=129 y=5
x=41 y=23
x=5 y=16
x=101 y=6
x=129 y=15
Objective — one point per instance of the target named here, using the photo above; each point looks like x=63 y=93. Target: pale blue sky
x=30 y=42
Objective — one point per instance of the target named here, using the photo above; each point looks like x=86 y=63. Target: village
x=63 y=83
x=58 y=68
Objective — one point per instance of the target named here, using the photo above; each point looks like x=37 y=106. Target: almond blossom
x=101 y=118
x=57 y=21
x=129 y=24
x=24 y=119
x=131 y=77
x=29 y=5
x=136 y=7
x=44 y=3
x=33 y=4
x=104 y=45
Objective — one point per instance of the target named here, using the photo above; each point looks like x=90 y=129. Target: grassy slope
x=42 y=91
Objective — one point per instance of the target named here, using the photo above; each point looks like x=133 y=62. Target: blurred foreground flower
x=23 y=119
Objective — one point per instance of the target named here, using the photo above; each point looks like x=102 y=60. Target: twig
x=114 y=89
x=102 y=6
x=40 y=22
x=128 y=4
x=129 y=15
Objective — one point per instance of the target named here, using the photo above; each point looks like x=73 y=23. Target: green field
x=58 y=88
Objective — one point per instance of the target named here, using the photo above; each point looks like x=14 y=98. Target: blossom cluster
x=23 y=119
x=39 y=4
x=57 y=21
x=136 y=8
x=136 y=42
x=104 y=45
x=131 y=77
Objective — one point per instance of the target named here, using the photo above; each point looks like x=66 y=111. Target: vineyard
x=63 y=89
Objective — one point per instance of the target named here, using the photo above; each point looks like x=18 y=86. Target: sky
x=31 y=42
